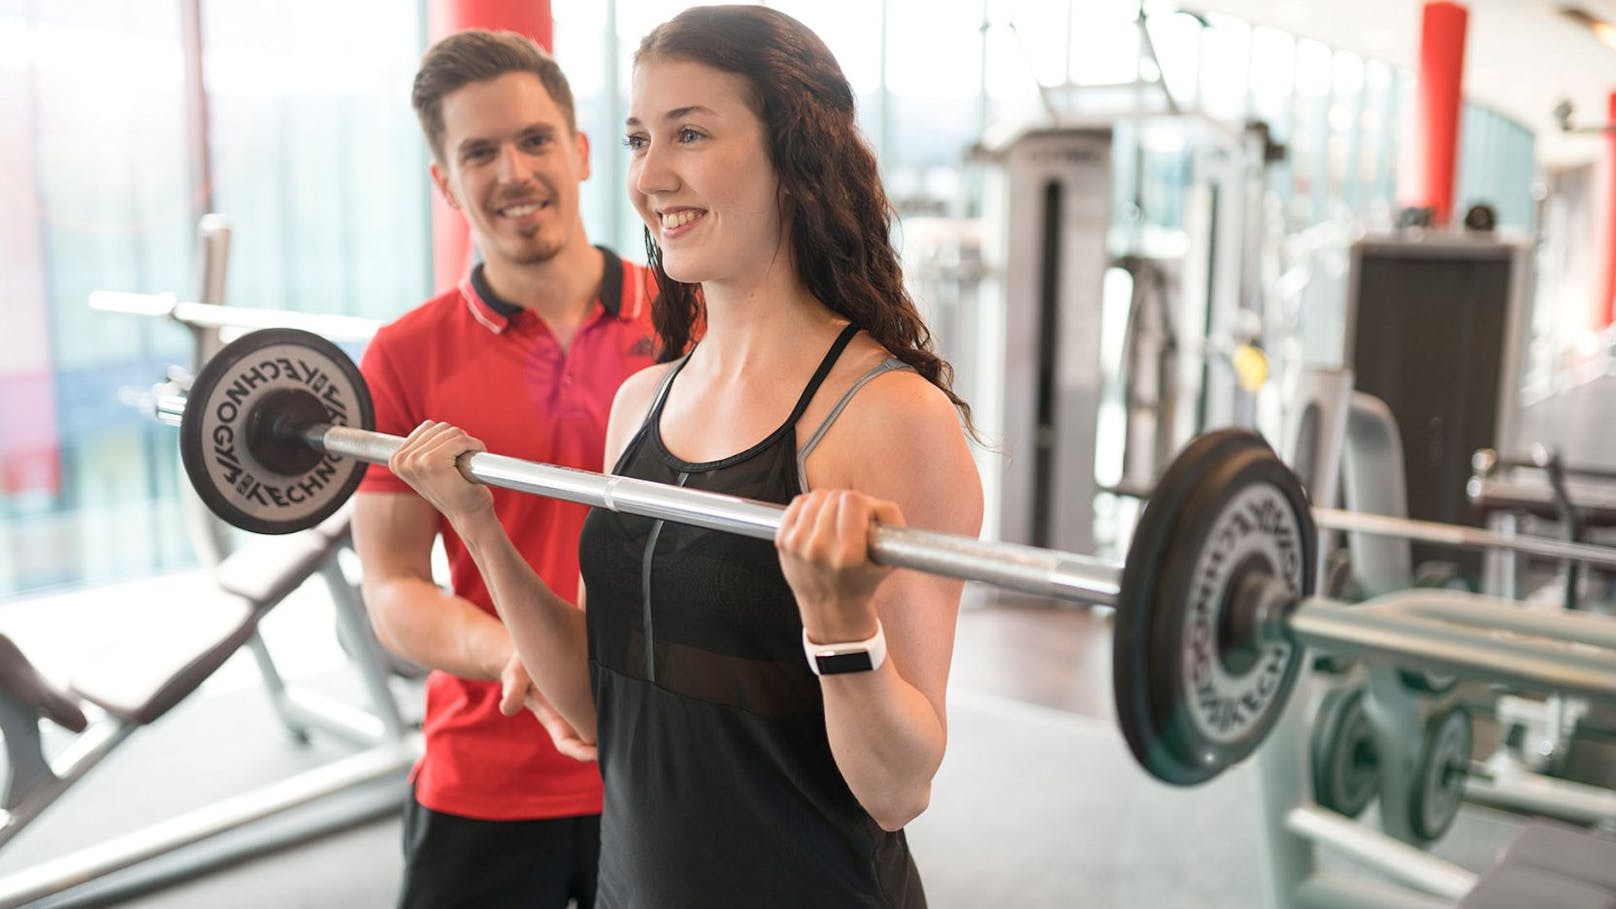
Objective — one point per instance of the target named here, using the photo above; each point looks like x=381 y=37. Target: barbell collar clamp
x=1267 y=604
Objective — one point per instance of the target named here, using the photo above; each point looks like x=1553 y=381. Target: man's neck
x=560 y=290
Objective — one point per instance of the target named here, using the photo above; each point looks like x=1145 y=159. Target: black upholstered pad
x=22 y=684
x=138 y=675
x=268 y=568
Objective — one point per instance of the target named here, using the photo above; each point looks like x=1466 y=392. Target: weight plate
x=1439 y=775
x=1192 y=698
x=1346 y=766
x=232 y=439
x=1130 y=634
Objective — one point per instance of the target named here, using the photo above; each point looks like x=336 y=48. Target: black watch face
x=837 y=663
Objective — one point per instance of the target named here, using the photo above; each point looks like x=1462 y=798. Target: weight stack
x=1436 y=328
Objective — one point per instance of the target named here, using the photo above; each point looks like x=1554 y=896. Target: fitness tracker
x=856 y=656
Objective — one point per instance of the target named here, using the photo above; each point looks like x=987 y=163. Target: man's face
x=512 y=166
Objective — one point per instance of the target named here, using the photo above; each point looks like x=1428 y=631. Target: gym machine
x=1187 y=332
x=1435 y=328
x=1116 y=341
x=1397 y=734
x=1533 y=770
x=130 y=684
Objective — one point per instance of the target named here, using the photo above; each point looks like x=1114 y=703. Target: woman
x=739 y=769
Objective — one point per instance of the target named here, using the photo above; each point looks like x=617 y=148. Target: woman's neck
x=771 y=321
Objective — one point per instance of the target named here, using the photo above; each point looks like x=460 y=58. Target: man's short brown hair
x=479 y=55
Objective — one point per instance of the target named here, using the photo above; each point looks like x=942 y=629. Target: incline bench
x=134 y=683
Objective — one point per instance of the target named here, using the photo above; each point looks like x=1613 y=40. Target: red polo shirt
x=494 y=370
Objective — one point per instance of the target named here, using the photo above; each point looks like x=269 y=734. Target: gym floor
x=1037 y=805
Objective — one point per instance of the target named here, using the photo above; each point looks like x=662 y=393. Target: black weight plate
x=1189 y=704
x=1439 y=776
x=249 y=475
x=1140 y=572
x=1219 y=700
x=1346 y=770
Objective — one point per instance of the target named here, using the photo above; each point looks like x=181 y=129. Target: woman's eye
x=633 y=143
x=688 y=135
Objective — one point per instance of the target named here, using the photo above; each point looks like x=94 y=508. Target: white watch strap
x=854 y=656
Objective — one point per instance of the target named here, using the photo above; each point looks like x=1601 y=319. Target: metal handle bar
x=212 y=315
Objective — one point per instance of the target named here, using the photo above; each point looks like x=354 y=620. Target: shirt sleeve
x=390 y=399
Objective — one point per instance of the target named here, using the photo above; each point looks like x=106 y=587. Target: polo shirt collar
x=495 y=314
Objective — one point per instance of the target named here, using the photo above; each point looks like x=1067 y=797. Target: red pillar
x=451 y=239
x=1429 y=171
x=1605 y=313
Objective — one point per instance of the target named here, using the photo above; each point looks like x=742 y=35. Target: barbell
x=1213 y=603
x=197 y=315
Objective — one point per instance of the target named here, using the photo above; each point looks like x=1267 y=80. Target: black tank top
x=720 y=786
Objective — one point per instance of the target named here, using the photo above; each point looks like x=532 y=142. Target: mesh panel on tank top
x=720 y=785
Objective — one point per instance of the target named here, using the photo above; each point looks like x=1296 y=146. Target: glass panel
x=1344 y=191
x=1377 y=126
x=92 y=137
x=1177 y=40
x=1496 y=166
x=1225 y=69
x=1309 y=135
x=589 y=58
x=935 y=112
x=1105 y=43
x=317 y=157
x=318 y=165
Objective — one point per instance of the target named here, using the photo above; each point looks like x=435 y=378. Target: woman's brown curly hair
x=831 y=200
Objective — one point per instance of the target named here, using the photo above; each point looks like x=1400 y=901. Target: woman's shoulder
x=886 y=388
x=885 y=404
x=635 y=394
x=900 y=437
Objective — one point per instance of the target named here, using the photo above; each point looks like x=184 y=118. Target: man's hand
x=518 y=693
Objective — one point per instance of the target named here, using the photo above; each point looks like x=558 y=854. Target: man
x=526 y=354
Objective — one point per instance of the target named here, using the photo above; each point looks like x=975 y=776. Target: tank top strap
x=661 y=398
x=831 y=356
x=885 y=366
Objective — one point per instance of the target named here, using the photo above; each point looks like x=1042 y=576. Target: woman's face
x=699 y=173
